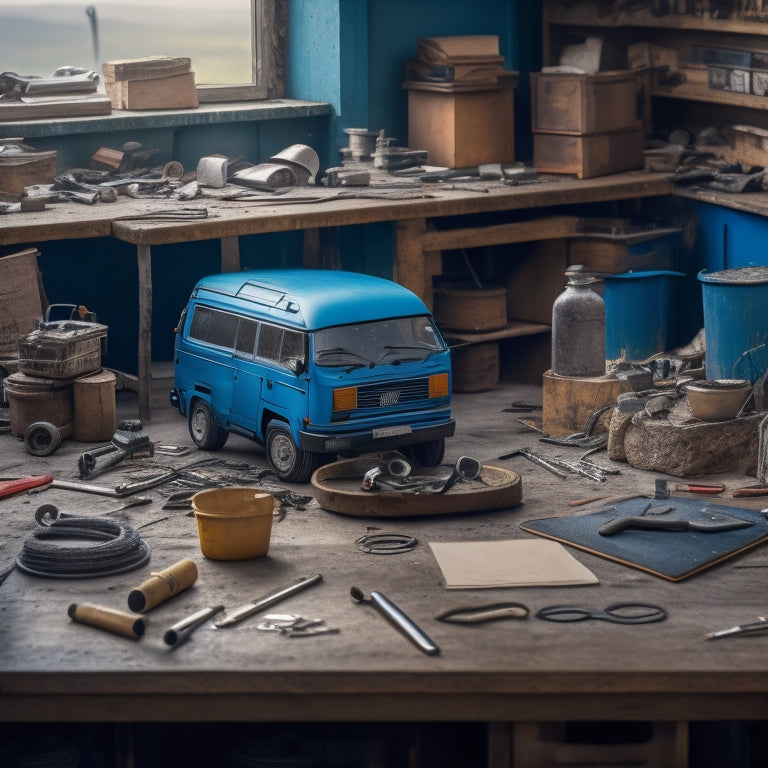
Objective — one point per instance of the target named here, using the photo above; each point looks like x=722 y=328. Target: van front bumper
x=372 y=440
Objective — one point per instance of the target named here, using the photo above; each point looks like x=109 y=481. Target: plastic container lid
x=750 y=275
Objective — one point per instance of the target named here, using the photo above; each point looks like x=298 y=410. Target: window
x=280 y=345
x=235 y=46
x=214 y=327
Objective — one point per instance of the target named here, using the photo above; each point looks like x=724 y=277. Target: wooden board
x=672 y=555
x=338 y=489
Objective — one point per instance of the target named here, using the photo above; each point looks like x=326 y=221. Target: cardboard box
x=587 y=156
x=572 y=103
x=21 y=304
x=176 y=92
x=460 y=125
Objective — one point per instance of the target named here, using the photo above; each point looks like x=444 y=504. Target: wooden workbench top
x=53 y=668
x=127 y=219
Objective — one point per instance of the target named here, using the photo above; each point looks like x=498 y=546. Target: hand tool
x=616 y=613
x=9 y=487
x=536 y=459
x=163 y=585
x=696 y=488
x=751 y=490
x=711 y=523
x=109 y=619
x=482 y=613
x=761 y=625
x=398 y=619
x=264 y=602
x=122 y=445
x=181 y=631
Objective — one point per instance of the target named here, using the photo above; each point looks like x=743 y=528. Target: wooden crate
x=589 y=155
x=572 y=103
x=460 y=126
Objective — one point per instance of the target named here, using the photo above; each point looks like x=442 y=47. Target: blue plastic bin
x=639 y=321
x=736 y=322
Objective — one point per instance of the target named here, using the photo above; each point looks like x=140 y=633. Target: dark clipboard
x=671 y=555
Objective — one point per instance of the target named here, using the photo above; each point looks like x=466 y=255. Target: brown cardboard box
x=176 y=92
x=589 y=155
x=572 y=103
x=462 y=125
x=21 y=304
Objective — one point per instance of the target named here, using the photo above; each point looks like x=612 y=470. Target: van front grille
x=393 y=393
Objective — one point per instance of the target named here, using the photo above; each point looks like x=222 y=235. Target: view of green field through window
x=36 y=38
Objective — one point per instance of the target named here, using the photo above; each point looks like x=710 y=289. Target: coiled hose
x=118 y=547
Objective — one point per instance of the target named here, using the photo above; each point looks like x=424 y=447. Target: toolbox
x=62 y=350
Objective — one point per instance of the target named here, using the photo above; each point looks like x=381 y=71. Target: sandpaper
x=673 y=555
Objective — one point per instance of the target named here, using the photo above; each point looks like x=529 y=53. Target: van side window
x=246 y=338
x=214 y=327
x=280 y=345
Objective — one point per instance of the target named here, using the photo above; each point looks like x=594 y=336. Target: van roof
x=312 y=298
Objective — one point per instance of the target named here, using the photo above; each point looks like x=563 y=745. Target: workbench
x=418 y=241
x=494 y=675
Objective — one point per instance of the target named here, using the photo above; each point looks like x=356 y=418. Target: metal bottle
x=578 y=327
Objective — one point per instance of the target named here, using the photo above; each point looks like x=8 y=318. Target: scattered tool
x=182 y=630
x=755 y=627
x=711 y=523
x=707 y=490
x=617 y=613
x=265 y=602
x=538 y=460
x=398 y=619
x=10 y=487
x=109 y=619
x=483 y=613
x=122 y=445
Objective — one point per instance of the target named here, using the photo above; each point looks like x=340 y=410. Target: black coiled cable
x=118 y=547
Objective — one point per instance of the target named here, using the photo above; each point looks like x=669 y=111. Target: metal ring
x=386 y=543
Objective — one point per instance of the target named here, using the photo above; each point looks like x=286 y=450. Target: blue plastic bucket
x=735 y=305
x=638 y=312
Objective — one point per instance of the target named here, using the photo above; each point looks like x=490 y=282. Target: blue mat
x=672 y=555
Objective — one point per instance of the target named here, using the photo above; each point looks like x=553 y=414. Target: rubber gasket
x=386 y=543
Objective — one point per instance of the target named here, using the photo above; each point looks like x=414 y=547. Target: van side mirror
x=295 y=365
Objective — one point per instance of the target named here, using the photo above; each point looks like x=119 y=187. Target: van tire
x=288 y=461
x=427 y=454
x=204 y=428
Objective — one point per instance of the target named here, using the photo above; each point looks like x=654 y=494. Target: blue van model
x=313 y=364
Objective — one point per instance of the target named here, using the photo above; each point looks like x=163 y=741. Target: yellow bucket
x=233 y=523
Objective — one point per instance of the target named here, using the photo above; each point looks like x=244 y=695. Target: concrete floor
x=487 y=426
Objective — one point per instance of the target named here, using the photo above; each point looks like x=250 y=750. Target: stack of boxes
x=586 y=124
x=461 y=101
x=154 y=82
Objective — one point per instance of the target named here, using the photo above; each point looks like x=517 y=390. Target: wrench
x=536 y=459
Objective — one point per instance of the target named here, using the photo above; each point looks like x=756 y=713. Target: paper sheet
x=510 y=563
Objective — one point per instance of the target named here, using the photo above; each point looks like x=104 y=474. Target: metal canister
x=578 y=327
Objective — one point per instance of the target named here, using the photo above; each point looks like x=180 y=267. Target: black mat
x=670 y=554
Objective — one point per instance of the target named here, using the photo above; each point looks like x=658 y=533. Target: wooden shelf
x=513 y=329
x=586 y=14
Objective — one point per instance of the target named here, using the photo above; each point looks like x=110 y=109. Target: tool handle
x=753 y=491
x=402 y=622
x=180 y=632
x=163 y=585
x=648 y=523
x=109 y=619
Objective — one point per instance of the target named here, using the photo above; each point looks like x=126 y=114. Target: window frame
x=268 y=28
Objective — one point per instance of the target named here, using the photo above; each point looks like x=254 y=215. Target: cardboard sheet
x=510 y=563
x=673 y=555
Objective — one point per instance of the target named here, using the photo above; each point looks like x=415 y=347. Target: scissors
x=617 y=613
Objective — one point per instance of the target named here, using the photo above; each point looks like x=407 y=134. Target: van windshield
x=382 y=342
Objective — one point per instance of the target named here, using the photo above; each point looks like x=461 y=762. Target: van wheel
x=289 y=462
x=204 y=428
x=427 y=454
